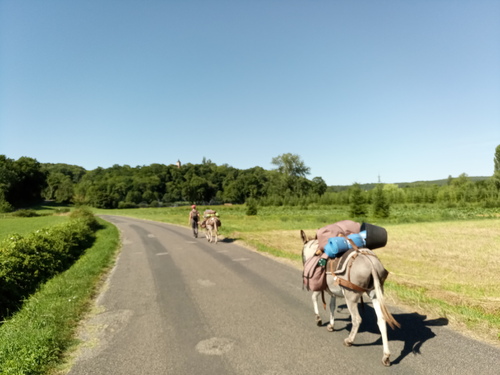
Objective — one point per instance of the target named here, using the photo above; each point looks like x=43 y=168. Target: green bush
x=63 y=210
x=27 y=262
x=251 y=207
x=87 y=215
x=5 y=206
x=25 y=213
x=127 y=205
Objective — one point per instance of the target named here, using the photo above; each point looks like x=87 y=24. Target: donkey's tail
x=380 y=296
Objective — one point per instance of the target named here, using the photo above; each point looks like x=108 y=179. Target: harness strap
x=348 y=284
x=354 y=246
x=349 y=266
x=323 y=298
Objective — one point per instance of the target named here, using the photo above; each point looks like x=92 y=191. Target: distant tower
x=379 y=179
x=178 y=163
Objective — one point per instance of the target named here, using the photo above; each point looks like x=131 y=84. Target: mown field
x=442 y=263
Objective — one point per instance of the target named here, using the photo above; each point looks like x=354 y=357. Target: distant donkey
x=212 y=226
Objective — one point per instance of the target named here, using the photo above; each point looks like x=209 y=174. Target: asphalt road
x=174 y=304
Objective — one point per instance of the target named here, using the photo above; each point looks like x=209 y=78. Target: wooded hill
x=26 y=181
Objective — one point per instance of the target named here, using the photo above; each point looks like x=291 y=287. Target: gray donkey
x=360 y=272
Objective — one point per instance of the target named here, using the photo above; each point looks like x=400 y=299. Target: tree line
x=25 y=181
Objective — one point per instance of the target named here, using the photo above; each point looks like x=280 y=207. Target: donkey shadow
x=414 y=332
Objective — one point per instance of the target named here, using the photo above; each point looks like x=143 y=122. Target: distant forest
x=25 y=182
x=442 y=182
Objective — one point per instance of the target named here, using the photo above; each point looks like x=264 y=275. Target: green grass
x=478 y=322
x=34 y=339
x=23 y=226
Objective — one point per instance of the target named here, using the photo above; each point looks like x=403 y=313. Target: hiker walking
x=194 y=216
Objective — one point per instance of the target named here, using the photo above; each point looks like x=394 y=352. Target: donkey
x=365 y=274
x=212 y=229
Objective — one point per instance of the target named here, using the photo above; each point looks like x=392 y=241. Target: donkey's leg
x=382 y=326
x=216 y=231
x=333 y=302
x=335 y=291
x=314 y=297
x=352 y=299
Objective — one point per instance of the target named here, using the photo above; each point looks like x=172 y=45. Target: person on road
x=194 y=216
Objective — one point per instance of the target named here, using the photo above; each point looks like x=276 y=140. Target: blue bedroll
x=339 y=245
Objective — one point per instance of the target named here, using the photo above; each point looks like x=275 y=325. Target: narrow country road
x=179 y=305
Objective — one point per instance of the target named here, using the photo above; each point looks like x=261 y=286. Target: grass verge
x=34 y=339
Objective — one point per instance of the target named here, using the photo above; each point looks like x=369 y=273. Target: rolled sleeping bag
x=338 y=245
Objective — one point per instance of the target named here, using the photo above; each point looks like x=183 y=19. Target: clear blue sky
x=398 y=90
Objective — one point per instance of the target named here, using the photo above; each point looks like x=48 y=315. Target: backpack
x=195 y=216
x=314 y=274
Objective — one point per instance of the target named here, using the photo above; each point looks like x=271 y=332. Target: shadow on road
x=414 y=332
x=228 y=240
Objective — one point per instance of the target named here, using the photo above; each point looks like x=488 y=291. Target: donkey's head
x=310 y=246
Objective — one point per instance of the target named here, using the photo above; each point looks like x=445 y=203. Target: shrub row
x=27 y=262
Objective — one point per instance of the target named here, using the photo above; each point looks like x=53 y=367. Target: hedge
x=27 y=262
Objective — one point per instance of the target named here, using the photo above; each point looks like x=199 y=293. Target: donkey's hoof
x=386 y=361
x=319 y=322
x=347 y=342
x=329 y=328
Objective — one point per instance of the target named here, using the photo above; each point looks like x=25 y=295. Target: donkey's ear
x=303 y=236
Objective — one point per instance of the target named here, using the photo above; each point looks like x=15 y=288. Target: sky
x=364 y=91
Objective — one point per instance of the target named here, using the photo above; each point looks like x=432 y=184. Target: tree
x=319 y=186
x=380 y=205
x=290 y=165
x=496 y=173
x=27 y=184
x=59 y=187
x=461 y=181
x=197 y=189
x=497 y=159
x=292 y=169
x=357 y=205
x=7 y=178
x=252 y=209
